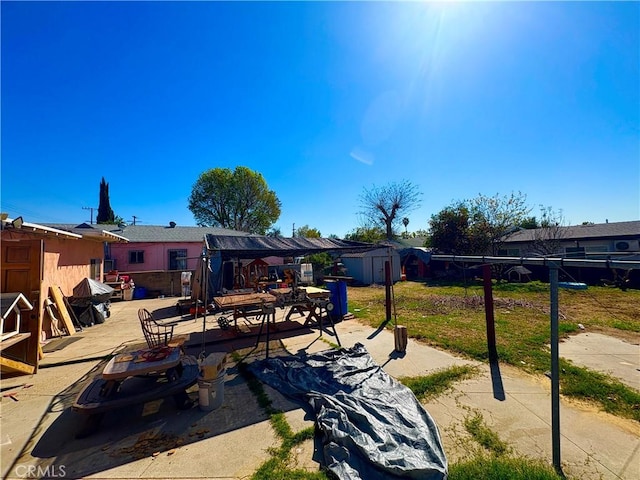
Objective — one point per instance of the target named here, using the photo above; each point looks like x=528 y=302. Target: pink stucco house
x=155 y=256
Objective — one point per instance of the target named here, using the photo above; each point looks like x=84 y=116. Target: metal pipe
x=543 y=261
x=555 y=369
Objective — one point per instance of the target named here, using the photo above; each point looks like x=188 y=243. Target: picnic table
x=134 y=378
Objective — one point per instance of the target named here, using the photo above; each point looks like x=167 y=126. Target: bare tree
x=548 y=237
x=383 y=206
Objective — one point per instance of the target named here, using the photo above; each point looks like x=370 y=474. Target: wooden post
x=488 y=311
x=387 y=284
x=400 y=337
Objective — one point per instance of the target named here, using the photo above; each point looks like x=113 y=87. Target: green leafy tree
x=492 y=218
x=478 y=226
x=274 y=232
x=105 y=213
x=450 y=232
x=529 y=223
x=238 y=200
x=319 y=260
x=384 y=206
x=306 y=232
x=366 y=234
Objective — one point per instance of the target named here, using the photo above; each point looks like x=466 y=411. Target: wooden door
x=21 y=266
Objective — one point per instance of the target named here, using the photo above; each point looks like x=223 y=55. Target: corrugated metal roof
x=611 y=230
x=374 y=252
x=40 y=228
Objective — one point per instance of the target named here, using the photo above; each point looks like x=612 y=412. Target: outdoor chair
x=156 y=334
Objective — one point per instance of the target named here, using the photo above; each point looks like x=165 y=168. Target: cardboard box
x=211 y=366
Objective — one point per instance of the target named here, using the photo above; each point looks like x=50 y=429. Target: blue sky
x=323 y=99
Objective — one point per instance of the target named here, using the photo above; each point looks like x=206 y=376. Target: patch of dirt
x=444 y=303
x=625 y=335
x=149 y=444
x=627 y=424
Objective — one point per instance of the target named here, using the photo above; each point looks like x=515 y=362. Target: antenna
x=92 y=209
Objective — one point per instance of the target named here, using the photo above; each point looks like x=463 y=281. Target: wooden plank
x=244 y=300
x=72 y=313
x=10 y=366
x=56 y=329
x=13 y=340
x=58 y=298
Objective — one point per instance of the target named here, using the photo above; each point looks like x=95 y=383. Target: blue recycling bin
x=337 y=296
x=139 y=293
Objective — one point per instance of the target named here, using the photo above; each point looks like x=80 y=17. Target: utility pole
x=134 y=220
x=293 y=230
x=92 y=209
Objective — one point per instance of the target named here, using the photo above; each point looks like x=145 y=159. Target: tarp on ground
x=372 y=426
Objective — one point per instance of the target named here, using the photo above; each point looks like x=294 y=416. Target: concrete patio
x=156 y=440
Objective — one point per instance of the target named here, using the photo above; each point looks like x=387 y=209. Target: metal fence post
x=555 y=368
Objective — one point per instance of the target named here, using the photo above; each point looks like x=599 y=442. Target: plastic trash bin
x=337 y=296
x=211 y=392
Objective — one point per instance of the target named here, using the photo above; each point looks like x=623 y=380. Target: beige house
x=579 y=241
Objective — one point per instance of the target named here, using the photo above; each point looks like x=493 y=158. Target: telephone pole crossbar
x=92 y=209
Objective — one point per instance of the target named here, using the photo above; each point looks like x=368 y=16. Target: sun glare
x=432 y=43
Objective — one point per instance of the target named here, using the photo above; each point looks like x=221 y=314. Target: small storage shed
x=415 y=261
x=368 y=267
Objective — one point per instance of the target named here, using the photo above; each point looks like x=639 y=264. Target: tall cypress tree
x=105 y=213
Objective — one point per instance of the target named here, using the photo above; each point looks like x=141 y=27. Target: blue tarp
x=422 y=253
x=372 y=427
